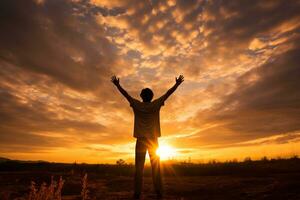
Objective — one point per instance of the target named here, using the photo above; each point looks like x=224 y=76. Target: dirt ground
x=15 y=185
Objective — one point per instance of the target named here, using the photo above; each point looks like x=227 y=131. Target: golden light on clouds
x=240 y=97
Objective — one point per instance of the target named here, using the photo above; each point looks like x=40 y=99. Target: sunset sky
x=240 y=59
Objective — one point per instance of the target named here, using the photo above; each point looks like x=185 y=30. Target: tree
x=120 y=162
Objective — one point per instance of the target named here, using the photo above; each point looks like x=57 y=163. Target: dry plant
x=44 y=192
x=84 y=191
x=53 y=191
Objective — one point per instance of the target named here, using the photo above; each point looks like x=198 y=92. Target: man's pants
x=142 y=145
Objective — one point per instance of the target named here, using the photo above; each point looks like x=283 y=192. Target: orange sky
x=240 y=60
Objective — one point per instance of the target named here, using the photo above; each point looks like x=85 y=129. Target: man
x=147 y=131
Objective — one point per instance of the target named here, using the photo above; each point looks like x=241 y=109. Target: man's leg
x=155 y=164
x=140 y=153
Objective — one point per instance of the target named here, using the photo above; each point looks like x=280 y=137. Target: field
x=264 y=179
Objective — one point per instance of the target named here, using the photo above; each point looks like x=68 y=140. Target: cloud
x=264 y=103
x=56 y=58
x=60 y=40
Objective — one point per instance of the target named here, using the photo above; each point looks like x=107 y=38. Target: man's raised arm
x=116 y=82
x=178 y=80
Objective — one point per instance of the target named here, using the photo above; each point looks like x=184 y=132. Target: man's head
x=146 y=95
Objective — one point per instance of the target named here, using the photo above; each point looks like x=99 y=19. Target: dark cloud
x=56 y=57
x=237 y=20
x=20 y=141
x=60 y=39
x=36 y=116
x=273 y=140
x=50 y=53
x=198 y=34
x=265 y=103
x=26 y=125
x=237 y=23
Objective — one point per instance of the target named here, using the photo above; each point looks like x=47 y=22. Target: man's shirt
x=146 y=117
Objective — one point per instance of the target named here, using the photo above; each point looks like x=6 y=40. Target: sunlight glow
x=166 y=152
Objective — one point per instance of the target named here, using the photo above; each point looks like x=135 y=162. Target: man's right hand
x=115 y=80
x=179 y=80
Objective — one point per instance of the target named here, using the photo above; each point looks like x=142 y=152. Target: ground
x=15 y=185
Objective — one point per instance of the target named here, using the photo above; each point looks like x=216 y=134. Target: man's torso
x=146 y=118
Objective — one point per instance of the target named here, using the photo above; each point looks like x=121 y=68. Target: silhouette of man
x=147 y=131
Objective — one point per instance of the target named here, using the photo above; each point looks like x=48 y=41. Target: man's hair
x=146 y=94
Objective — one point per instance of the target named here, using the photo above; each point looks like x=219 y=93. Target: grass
x=262 y=179
x=44 y=192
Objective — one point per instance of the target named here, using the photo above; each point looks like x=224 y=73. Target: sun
x=166 y=152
